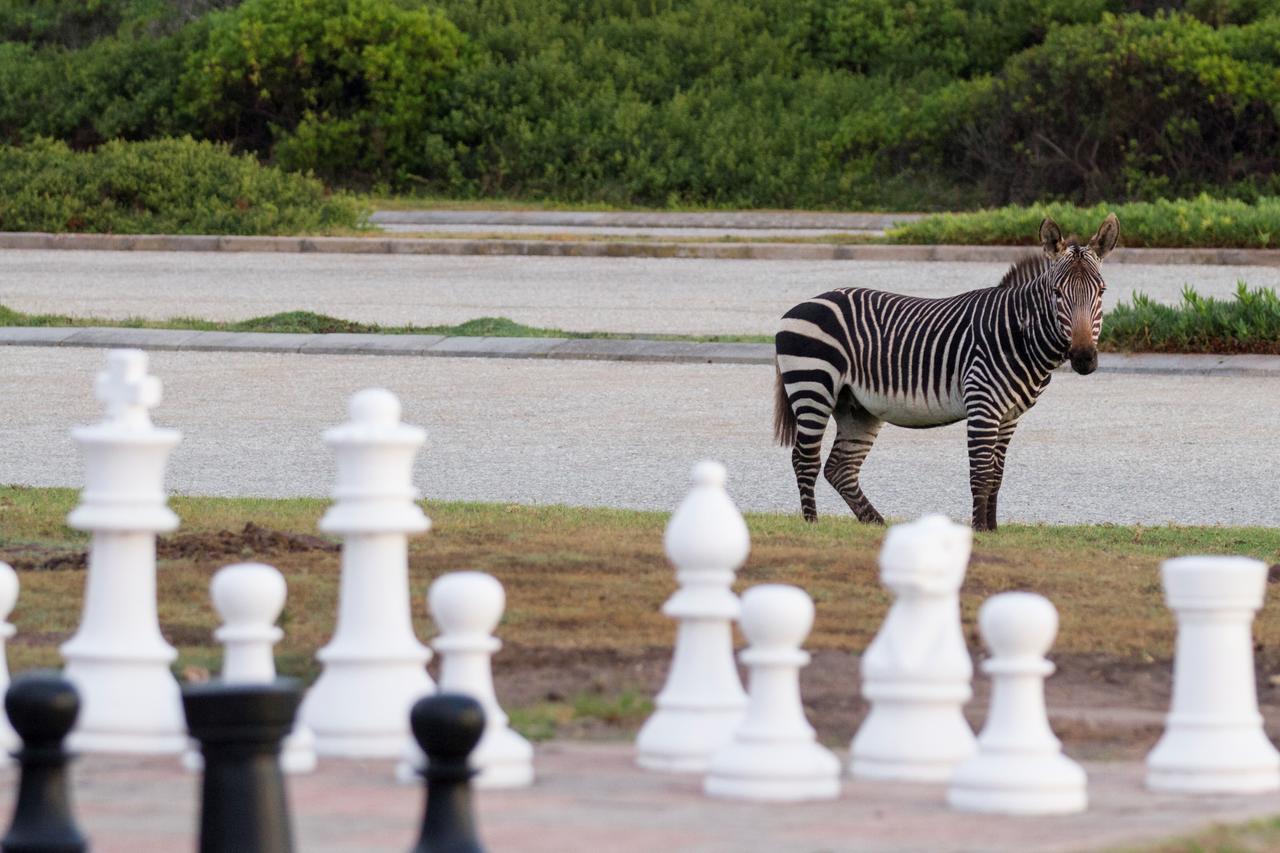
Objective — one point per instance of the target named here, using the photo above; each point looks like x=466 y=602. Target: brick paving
x=589 y=796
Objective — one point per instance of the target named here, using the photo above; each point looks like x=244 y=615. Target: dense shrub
x=1248 y=324
x=1194 y=222
x=344 y=87
x=175 y=186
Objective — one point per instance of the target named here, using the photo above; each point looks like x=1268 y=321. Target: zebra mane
x=1025 y=270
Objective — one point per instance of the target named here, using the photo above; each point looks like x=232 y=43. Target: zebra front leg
x=997 y=470
x=855 y=433
x=984 y=434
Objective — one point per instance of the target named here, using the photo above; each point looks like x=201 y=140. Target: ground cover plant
x=175 y=186
x=1249 y=323
x=585 y=643
x=1196 y=222
x=937 y=104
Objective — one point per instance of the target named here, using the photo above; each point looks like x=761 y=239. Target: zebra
x=868 y=357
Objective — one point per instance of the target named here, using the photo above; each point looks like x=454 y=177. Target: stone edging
x=601 y=249
x=549 y=348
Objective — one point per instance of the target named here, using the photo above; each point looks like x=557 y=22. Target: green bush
x=347 y=88
x=1198 y=222
x=1248 y=324
x=172 y=186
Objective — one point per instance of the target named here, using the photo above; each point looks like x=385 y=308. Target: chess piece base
x=1214 y=761
x=911 y=744
x=680 y=741
x=128 y=708
x=360 y=709
x=1019 y=784
x=775 y=772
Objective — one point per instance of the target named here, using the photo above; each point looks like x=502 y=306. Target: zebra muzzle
x=1084 y=361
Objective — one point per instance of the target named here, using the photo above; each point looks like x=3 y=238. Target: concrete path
x=637 y=295
x=590 y=796
x=1122 y=448
x=739 y=220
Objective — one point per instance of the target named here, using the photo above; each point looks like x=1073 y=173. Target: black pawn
x=240 y=728
x=448 y=726
x=42 y=707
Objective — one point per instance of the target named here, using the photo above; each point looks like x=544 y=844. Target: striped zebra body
x=864 y=358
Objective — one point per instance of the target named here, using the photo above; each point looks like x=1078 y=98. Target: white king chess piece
x=1019 y=768
x=466 y=607
x=1213 y=741
x=774 y=754
x=9 y=740
x=703 y=699
x=917 y=674
x=117 y=659
x=374 y=668
x=249 y=597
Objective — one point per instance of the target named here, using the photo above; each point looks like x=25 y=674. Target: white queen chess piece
x=1019 y=768
x=1213 y=741
x=773 y=754
x=374 y=668
x=250 y=597
x=118 y=660
x=466 y=607
x=917 y=674
x=703 y=699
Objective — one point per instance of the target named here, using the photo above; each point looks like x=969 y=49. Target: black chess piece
x=240 y=728
x=42 y=707
x=448 y=726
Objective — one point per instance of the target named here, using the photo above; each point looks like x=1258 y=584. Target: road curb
x=603 y=249
x=584 y=349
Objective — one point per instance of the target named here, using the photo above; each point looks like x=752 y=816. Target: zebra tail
x=784 y=419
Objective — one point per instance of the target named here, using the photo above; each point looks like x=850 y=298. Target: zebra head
x=1076 y=277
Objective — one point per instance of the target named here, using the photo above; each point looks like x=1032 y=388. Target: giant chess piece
x=1019 y=768
x=466 y=607
x=117 y=659
x=447 y=727
x=249 y=597
x=240 y=727
x=917 y=672
x=374 y=668
x=43 y=708
x=9 y=740
x=1213 y=741
x=774 y=754
x=703 y=700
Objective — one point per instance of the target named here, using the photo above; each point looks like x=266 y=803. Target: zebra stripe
x=866 y=357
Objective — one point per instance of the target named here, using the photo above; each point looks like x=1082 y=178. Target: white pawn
x=1213 y=741
x=466 y=607
x=1019 y=768
x=249 y=598
x=773 y=754
x=917 y=672
x=9 y=740
x=703 y=700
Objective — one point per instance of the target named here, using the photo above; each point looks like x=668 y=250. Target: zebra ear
x=1050 y=237
x=1105 y=240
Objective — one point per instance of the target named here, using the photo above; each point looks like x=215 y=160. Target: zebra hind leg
x=856 y=431
x=806 y=456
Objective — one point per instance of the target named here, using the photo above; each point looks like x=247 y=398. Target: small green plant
x=170 y=186
x=1248 y=324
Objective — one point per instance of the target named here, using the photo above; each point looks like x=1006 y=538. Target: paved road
x=640 y=295
x=1118 y=448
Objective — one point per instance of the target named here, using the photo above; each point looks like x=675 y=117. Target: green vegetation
x=1258 y=836
x=935 y=104
x=1248 y=324
x=172 y=186
x=1200 y=222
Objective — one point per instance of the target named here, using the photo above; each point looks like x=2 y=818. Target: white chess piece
x=9 y=740
x=1213 y=741
x=466 y=607
x=374 y=668
x=703 y=699
x=773 y=754
x=249 y=598
x=117 y=659
x=917 y=672
x=1019 y=768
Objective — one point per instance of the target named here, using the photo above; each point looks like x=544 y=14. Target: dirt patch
x=251 y=541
